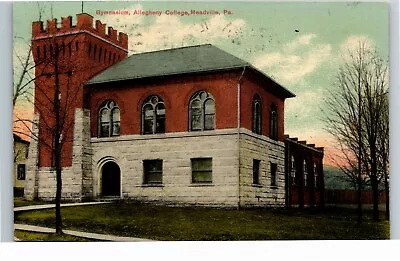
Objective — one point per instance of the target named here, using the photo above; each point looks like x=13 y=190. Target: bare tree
x=356 y=109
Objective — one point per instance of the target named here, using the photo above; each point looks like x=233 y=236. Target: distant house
x=21 y=147
x=186 y=126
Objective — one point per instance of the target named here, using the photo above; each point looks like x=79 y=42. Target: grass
x=34 y=236
x=22 y=202
x=169 y=223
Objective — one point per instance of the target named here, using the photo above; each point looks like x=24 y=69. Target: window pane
x=209 y=122
x=21 y=172
x=196 y=122
x=273 y=174
x=116 y=127
x=201 y=177
x=148 y=111
x=201 y=164
x=152 y=171
x=105 y=115
x=105 y=130
x=160 y=118
x=148 y=119
x=160 y=124
x=148 y=126
x=116 y=114
x=209 y=107
x=256 y=171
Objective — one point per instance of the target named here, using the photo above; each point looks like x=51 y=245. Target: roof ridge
x=170 y=49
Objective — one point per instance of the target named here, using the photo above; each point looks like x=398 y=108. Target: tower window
x=100 y=51
x=94 y=54
x=44 y=52
x=109 y=57
x=70 y=49
x=76 y=46
x=38 y=52
x=105 y=54
x=90 y=49
x=51 y=50
x=63 y=48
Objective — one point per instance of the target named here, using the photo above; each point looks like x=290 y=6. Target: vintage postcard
x=177 y=121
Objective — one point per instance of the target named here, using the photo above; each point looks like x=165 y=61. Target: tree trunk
x=359 y=201
x=58 y=201
x=375 y=198
x=387 y=198
x=57 y=145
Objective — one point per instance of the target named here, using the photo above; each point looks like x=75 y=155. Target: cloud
x=295 y=60
x=352 y=43
x=306 y=104
x=168 y=31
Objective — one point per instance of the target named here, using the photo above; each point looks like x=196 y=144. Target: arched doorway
x=110 y=179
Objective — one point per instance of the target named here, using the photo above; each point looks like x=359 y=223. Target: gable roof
x=190 y=59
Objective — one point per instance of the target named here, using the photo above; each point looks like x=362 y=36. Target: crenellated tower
x=67 y=56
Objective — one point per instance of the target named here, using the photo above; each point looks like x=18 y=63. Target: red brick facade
x=304 y=189
x=176 y=92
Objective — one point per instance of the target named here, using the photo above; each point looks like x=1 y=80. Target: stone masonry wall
x=77 y=179
x=31 y=180
x=176 y=151
x=253 y=146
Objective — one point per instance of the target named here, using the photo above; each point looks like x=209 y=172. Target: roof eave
x=287 y=93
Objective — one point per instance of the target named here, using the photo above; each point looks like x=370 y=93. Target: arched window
x=315 y=175
x=273 y=125
x=202 y=111
x=305 y=171
x=293 y=171
x=257 y=111
x=94 y=52
x=153 y=115
x=109 y=120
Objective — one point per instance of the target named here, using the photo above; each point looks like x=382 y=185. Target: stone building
x=186 y=126
x=21 y=146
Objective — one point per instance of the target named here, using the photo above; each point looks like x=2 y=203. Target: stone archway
x=110 y=179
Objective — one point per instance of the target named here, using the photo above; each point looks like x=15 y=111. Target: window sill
x=152 y=185
x=257 y=185
x=201 y=185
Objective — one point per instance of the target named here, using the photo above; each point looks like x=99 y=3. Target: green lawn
x=168 y=223
x=21 y=202
x=34 y=236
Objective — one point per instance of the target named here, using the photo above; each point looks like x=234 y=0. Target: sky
x=300 y=45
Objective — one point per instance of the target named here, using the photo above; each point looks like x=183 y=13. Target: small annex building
x=186 y=126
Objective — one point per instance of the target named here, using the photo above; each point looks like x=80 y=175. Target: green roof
x=191 y=59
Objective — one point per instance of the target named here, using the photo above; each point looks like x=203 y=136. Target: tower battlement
x=84 y=24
